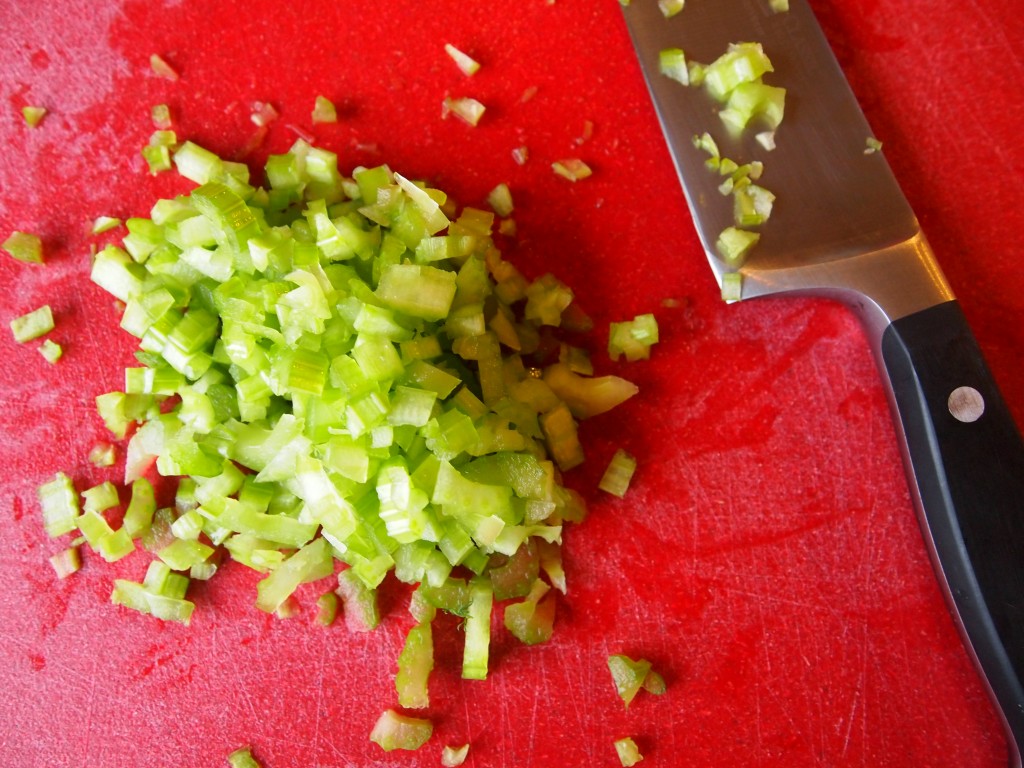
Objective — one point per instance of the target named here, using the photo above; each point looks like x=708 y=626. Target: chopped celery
x=630 y=675
x=161 y=68
x=394 y=731
x=242 y=758
x=531 y=621
x=33 y=324
x=51 y=350
x=672 y=64
x=362 y=613
x=24 y=247
x=670 y=8
x=466 y=63
x=734 y=244
x=500 y=199
x=103 y=455
x=571 y=168
x=324 y=111
x=414 y=666
x=633 y=338
x=872 y=145
x=468 y=110
x=618 y=475
x=478 y=631
x=327 y=608
x=59 y=502
x=452 y=757
x=33 y=115
x=66 y=562
x=628 y=752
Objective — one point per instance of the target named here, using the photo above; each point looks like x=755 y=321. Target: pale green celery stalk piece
x=327 y=608
x=360 y=602
x=742 y=63
x=478 y=631
x=414 y=666
x=51 y=351
x=139 y=516
x=466 y=63
x=59 y=501
x=628 y=752
x=572 y=168
x=500 y=199
x=103 y=455
x=33 y=115
x=672 y=64
x=633 y=338
x=33 y=324
x=394 y=731
x=198 y=164
x=734 y=244
x=532 y=620
x=188 y=526
x=587 y=396
x=630 y=675
x=137 y=597
x=619 y=473
x=24 y=247
x=546 y=300
x=670 y=8
x=562 y=437
x=66 y=562
x=417 y=290
x=161 y=68
x=732 y=286
x=101 y=497
x=452 y=757
x=467 y=109
x=312 y=562
x=242 y=758
x=324 y=111
x=182 y=554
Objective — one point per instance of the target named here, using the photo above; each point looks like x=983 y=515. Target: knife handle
x=966 y=461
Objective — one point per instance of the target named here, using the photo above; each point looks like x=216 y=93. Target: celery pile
x=339 y=369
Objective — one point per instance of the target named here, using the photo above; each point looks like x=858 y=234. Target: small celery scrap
x=346 y=377
x=467 y=109
x=670 y=8
x=628 y=752
x=157 y=153
x=263 y=114
x=51 y=351
x=32 y=324
x=466 y=63
x=630 y=675
x=33 y=115
x=324 y=111
x=161 y=68
x=25 y=247
x=66 y=562
x=500 y=200
x=619 y=474
x=778 y=6
x=103 y=224
x=571 y=168
x=732 y=286
x=103 y=455
x=452 y=757
x=242 y=758
x=395 y=731
x=672 y=64
x=160 y=114
x=872 y=145
x=633 y=338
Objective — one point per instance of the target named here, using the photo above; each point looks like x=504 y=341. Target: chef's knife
x=841 y=228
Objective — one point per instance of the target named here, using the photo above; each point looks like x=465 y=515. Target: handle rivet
x=966 y=404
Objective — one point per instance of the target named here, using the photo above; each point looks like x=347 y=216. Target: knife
x=841 y=228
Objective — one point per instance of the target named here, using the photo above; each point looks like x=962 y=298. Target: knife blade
x=842 y=228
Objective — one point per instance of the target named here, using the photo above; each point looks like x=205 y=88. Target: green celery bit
x=360 y=602
x=414 y=666
x=324 y=111
x=327 y=608
x=32 y=325
x=101 y=497
x=451 y=757
x=742 y=63
x=532 y=620
x=51 y=351
x=394 y=731
x=33 y=115
x=137 y=597
x=628 y=752
x=197 y=164
x=115 y=545
x=672 y=64
x=633 y=338
x=631 y=675
x=418 y=290
x=310 y=563
x=59 y=502
x=66 y=562
x=182 y=554
x=242 y=518
x=734 y=244
x=617 y=476
x=242 y=758
x=24 y=247
x=518 y=575
x=478 y=631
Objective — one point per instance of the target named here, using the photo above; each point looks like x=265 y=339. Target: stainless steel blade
x=840 y=225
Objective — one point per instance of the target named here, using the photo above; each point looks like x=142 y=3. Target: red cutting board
x=766 y=559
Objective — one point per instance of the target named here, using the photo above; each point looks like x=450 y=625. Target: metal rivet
x=966 y=404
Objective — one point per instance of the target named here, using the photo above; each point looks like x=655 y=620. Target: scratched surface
x=766 y=559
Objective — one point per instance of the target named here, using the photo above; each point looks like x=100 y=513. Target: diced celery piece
x=394 y=731
x=242 y=758
x=478 y=631
x=619 y=473
x=33 y=324
x=312 y=562
x=66 y=562
x=59 y=502
x=24 y=247
x=414 y=666
x=628 y=752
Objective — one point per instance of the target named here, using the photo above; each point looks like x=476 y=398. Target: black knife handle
x=966 y=457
